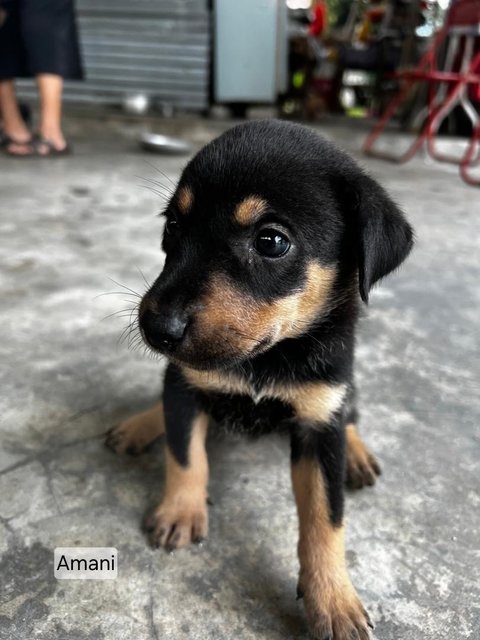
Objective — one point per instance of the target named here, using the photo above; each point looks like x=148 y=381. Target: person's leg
x=13 y=124
x=50 y=91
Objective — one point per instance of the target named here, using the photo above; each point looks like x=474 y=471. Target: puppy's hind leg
x=362 y=466
x=137 y=432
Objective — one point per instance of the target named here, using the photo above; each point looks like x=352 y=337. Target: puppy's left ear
x=384 y=238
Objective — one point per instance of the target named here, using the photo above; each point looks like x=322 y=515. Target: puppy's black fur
x=261 y=341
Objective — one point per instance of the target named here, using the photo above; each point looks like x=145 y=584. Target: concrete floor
x=70 y=226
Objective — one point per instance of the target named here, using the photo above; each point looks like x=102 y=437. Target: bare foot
x=55 y=139
x=19 y=143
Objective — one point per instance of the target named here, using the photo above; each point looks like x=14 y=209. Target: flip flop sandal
x=6 y=141
x=44 y=148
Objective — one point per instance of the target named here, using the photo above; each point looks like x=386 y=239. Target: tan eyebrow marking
x=250 y=210
x=185 y=200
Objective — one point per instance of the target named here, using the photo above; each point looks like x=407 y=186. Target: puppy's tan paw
x=134 y=435
x=334 y=610
x=362 y=466
x=126 y=438
x=178 y=521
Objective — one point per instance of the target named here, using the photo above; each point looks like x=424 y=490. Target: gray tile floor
x=68 y=228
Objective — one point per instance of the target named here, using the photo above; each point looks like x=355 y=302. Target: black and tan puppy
x=272 y=239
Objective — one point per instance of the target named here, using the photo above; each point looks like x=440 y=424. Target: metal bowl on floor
x=158 y=143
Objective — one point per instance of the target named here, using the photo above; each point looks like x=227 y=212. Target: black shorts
x=38 y=36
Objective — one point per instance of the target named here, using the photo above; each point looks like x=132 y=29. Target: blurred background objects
x=38 y=39
x=303 y=58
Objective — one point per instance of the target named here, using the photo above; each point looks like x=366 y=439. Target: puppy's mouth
x=216 y=351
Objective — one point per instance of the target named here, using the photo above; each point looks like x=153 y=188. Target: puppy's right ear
x=382 y=236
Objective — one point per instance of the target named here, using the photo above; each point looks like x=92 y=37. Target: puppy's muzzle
x=163 y=330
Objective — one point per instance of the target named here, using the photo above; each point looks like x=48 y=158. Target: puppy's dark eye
x=271 y=243
x=171 y=226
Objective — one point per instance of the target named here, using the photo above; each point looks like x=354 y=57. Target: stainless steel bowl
x=158 y=143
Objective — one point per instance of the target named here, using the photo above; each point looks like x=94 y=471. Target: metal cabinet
x=250 y=50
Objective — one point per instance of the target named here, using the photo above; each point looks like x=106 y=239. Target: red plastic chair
x=451 y=79
x=471 y=157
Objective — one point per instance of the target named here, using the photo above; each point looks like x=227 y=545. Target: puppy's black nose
x=164 y=331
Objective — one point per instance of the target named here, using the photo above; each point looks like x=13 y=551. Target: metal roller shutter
x=157 y=47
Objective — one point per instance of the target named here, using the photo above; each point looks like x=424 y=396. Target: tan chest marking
x=216 y=382
x=313 y=401
x=317 y=401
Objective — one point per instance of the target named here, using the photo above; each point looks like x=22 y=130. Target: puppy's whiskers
x=148 y=285
x=172 y=182
x=119 y=284
x=164 y=197
x=161 y=185
x=121 y=313
x=246 y=336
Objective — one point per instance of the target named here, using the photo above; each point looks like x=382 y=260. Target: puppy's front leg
x=181 y=517
x=333 y=608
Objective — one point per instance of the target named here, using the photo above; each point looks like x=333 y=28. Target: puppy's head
x=266 y=226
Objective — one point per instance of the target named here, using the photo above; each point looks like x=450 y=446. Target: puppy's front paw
x=333 y=608
x=177 y=521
